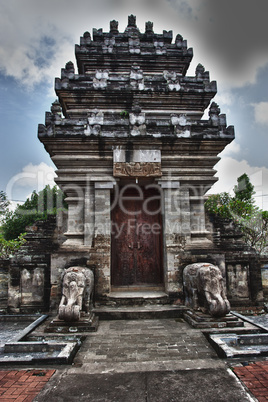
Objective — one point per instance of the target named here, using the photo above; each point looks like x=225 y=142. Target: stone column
x=102 y=237
x=199 y=232
x=184 y=200
x=75 y=224
x=89 y=214
x=173 y=233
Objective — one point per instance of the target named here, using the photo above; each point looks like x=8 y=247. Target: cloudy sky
x=37 y=38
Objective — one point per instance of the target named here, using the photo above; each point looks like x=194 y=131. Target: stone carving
x=205 y=290
x=136 y=118
x=160 y=47
x=215 y=118
x=94 y=123
x=137 y=169
x=179 y=40
x=86 y=38
x=149 y=27
x=38 y=284
x=114 y=26
x=69 y=67
x=132 y=21
x=136 y=77
x=134 y=45
x=77 y=290
x=181 y=125
x=108 y=45
x=100 y=79
x=173 y=80
x=201 y=74
x=26 y=280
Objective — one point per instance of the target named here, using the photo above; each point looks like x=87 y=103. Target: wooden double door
x=137 y=238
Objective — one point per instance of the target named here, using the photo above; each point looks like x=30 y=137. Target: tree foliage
x=244 y=190
x=4 y=203
x=241 y=209
x=8 y=247
x=38 y=207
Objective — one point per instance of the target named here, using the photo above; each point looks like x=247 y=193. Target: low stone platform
x=244 y=345
x=16 y=348
x=202 y=321
x=83 y=325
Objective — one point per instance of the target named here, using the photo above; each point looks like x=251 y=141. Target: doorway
x=137 y=237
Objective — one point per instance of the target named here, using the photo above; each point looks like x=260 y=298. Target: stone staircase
x=129 y=305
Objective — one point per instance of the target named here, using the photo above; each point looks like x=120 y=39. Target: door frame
x=143 y=185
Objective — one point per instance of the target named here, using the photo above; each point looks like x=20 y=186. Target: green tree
x=38 y=207
x=241 y=209
x=244 y=190
x=8 y=247
x=4 y=203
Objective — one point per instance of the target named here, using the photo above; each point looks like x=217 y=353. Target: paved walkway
x=141 y=361
x=144 y=345
x=145 y=361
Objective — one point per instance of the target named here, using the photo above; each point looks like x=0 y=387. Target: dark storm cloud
x=228 y=36
x=237 y=30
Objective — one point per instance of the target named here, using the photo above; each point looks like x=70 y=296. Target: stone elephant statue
x=205 y=290
x=77 y=290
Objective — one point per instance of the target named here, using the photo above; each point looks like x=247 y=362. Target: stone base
x=140 y=312
x=85 y=324
x=201 y=320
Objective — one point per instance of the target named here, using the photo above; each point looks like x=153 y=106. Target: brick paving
x=255 y=378
x=22 y=385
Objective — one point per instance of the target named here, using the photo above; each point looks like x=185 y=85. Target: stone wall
x=29 y=271
x=243 y=265
x=264 y=275
x=4 y=277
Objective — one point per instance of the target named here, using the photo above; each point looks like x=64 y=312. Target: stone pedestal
x=85 y=324
x=201 y=321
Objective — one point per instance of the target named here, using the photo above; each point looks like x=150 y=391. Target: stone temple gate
x=135 y=159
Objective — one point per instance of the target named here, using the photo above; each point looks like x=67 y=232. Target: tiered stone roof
x=132 y=87
x=118 y=51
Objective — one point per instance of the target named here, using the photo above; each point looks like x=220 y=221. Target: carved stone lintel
x=137 y=169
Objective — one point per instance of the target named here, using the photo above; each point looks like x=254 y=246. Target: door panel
x=136 y=240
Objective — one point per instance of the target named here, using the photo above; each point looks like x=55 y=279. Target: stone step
x=139 y=312
x=138 y=298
